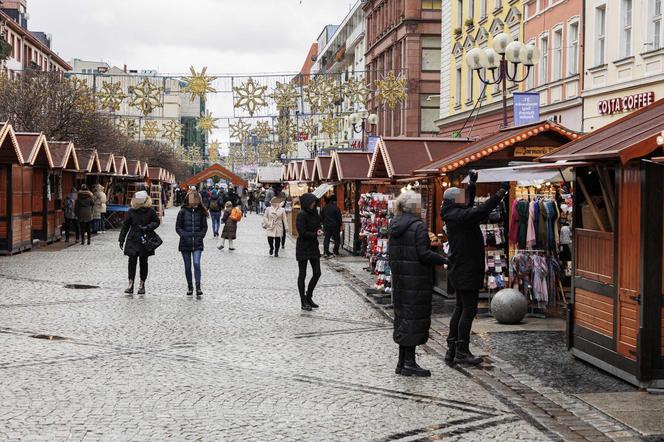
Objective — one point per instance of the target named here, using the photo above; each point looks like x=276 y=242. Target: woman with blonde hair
x=191 y=226
x=411 y=260
x=141 y=219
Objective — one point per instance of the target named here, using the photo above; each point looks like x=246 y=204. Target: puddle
x=81 y=287
x=48 y=337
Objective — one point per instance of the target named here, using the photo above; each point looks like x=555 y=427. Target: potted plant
x=457 y=32
x=469 y=22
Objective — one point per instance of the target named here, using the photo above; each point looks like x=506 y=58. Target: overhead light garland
x=128 y=127
x=207 y=123
x=199 y=84
x=330 y=126
x=151 y=129
x=262 y=130
x=172 y=131
x=146 y=96
x=392 y=90
x=250 y=96
x=240 y=131
x=285 y=96
x=321 y=93
x=111 y=95
x=310 y=127
x=285 y=129
x=357 y=91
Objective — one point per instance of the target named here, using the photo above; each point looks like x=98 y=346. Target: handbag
x=151 y=241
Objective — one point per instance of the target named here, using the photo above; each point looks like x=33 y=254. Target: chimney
x=125 y=68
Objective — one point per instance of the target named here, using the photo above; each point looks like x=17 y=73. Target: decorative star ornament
x=172 y=131
x=285 y=129
x=357 y=91
x=111 y=95
x=213 y=151
x=310 y=127
x=199 y=84
x=207 y=123
x=240 y=131
x=146 y=96
x=262 y=130
x=392 y=89
x=330 y=126
x=285 y=96
x=321 y=93
x=151 y=129
x=250 y=96
x=128 y=127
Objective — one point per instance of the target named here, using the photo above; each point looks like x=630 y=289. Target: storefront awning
x=528 y=175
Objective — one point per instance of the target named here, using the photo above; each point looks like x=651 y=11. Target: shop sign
x=526 y=108
x=372 y=143
x=626 y=103
x=533 y=152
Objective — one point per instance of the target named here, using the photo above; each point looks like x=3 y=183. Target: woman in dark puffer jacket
x=191 y=226
x=411 y=262
x=307 y=249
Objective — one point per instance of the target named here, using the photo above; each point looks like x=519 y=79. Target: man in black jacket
x=331 y=218
x=466 y=262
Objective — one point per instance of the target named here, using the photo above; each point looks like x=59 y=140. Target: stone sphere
x=509 y=306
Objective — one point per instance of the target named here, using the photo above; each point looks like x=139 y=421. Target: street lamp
x=504 y=51
x=365 y=123
x=312 y=146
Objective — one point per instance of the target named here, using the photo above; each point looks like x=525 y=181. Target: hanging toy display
x=376 y=215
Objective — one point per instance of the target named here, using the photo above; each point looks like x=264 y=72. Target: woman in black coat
x=307 y=249
x=191 y=226
x=141 y=219
x=411 y=262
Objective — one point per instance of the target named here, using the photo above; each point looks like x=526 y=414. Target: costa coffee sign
x=625 y=104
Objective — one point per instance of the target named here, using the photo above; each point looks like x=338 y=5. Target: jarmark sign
x=626 y=103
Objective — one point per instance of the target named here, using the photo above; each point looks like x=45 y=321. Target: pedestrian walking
x=411 y=262
x=215 y=212
x=466 y=268
x=71 y=222
x=252 y=201
x=140 y=222
x=230 y=218
x=244 y=200
x=205 y=197
x=274 y=223
x=307 y=249
x=288 y=209
x=99 y=208
x=191 y=225
x=331 y=218
x=84 y=211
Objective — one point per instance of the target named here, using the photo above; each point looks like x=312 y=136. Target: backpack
x=236 y=214
x=215 y=206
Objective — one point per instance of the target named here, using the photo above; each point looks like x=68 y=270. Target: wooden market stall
x=616 y=315
x=88 y=160
x=108 y=170
x=321 y=173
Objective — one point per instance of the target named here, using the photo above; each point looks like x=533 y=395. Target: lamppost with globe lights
x=365 y=123
x=312 y=146
x=505 y=51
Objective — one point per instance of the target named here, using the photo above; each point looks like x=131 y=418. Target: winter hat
x=141 y=196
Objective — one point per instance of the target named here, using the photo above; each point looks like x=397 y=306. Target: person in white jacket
x=274 y=223
x=99 y=209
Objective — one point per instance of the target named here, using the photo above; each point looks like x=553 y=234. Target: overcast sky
x=228 y=36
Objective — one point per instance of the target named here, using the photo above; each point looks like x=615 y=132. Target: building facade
x=404 y=36
x=556 y=27
x=624 y=58
x=466 y=106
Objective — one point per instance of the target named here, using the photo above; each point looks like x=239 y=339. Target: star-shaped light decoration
x=172 y=131
x=262 y=130
x=285 y=129
x=392 y=89
x=180 y=153
x=285 y=96
x=357 y=91
x=250 y=96
x=199 y=84
x=146 y=96
x=207 y=123
x=321 y=93
x=240 y=131
x=330 y=126
x=151 y=129
x=111 y=95
x=310 y=127
x=128 y=127
x=213 y=151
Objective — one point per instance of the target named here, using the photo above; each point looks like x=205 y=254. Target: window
x=471 y=8
x=655 y=24
x=469 y=85
x=431 y=60
x=544 y=62
x=483 y=9
x=459 y=13
x=626 y=28
x=526 y=11
x=573 y=48
x=497 y=4
x=600 y=35
x=432 y=5
x=557 y=52
x=457 y=88
x=430 y=112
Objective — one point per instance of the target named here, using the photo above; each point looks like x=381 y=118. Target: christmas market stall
x=116 y=192
x=156 y=178
x=108 y=170
x=269 y=175
x=616 y=314
x=90 y=169
x=321 y=173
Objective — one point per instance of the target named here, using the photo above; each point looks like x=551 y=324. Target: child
x=230 y=227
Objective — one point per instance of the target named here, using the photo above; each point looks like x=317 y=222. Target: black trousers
x=71 y=224
x=85 y=228
x=464 y=313
x=302 y=276
x=283 y=238
x=335 y=235
x=133 y=261
x=275 y=243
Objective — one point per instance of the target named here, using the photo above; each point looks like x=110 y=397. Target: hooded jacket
x=411 y=262
x=216 y=203
x=141 y=219
x=466 y=266
x=275 y=221
x=84 y=206
x=191 y=225
x=307 y=224
x=99 y=199
x=331 y=217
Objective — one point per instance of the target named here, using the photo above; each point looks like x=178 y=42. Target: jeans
x=302 y=276
x=216 y=222
x=187 y=256
x=133 y=261
x=102 y=224
x=275 y=243
x=464 y=313
x=85 y=228
x=334 y=234
x=71 y=224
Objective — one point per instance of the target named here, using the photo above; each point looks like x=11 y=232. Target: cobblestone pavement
x=243 y=363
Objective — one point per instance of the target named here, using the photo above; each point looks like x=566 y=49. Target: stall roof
x=269 y=174
x=34 y=149
x=307 y=170
x=397 y=157
x=321 y=168
x=107 y=161
x=156 y=173
x=528 y=175
x=121 y=166
x=293 y=170
x=89 y=160
x=10 y=152
x=495 y=143
x=145 y=169
x=133 y=167
x=631 y=136
x=349 y=166
x=64 y=155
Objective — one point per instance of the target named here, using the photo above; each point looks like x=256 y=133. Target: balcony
x=355 y=36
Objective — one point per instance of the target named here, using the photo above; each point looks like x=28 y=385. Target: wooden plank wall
x=4 y=189
x=594 y=312
x=594 y=255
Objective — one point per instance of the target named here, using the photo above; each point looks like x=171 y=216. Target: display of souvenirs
x=375 y=213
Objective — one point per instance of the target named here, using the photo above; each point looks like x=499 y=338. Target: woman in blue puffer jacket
x=191 y=226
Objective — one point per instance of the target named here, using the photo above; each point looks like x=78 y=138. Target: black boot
x=451 y=350
x=305 y=304
x=401 y=357
x=410 y=367
x=130 y=289
x=199 y=292
x=190 y=290
x=310 y=301
x=464 y=356
x=141 y=288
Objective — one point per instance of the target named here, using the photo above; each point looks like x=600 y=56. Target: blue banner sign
x=526 y=108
